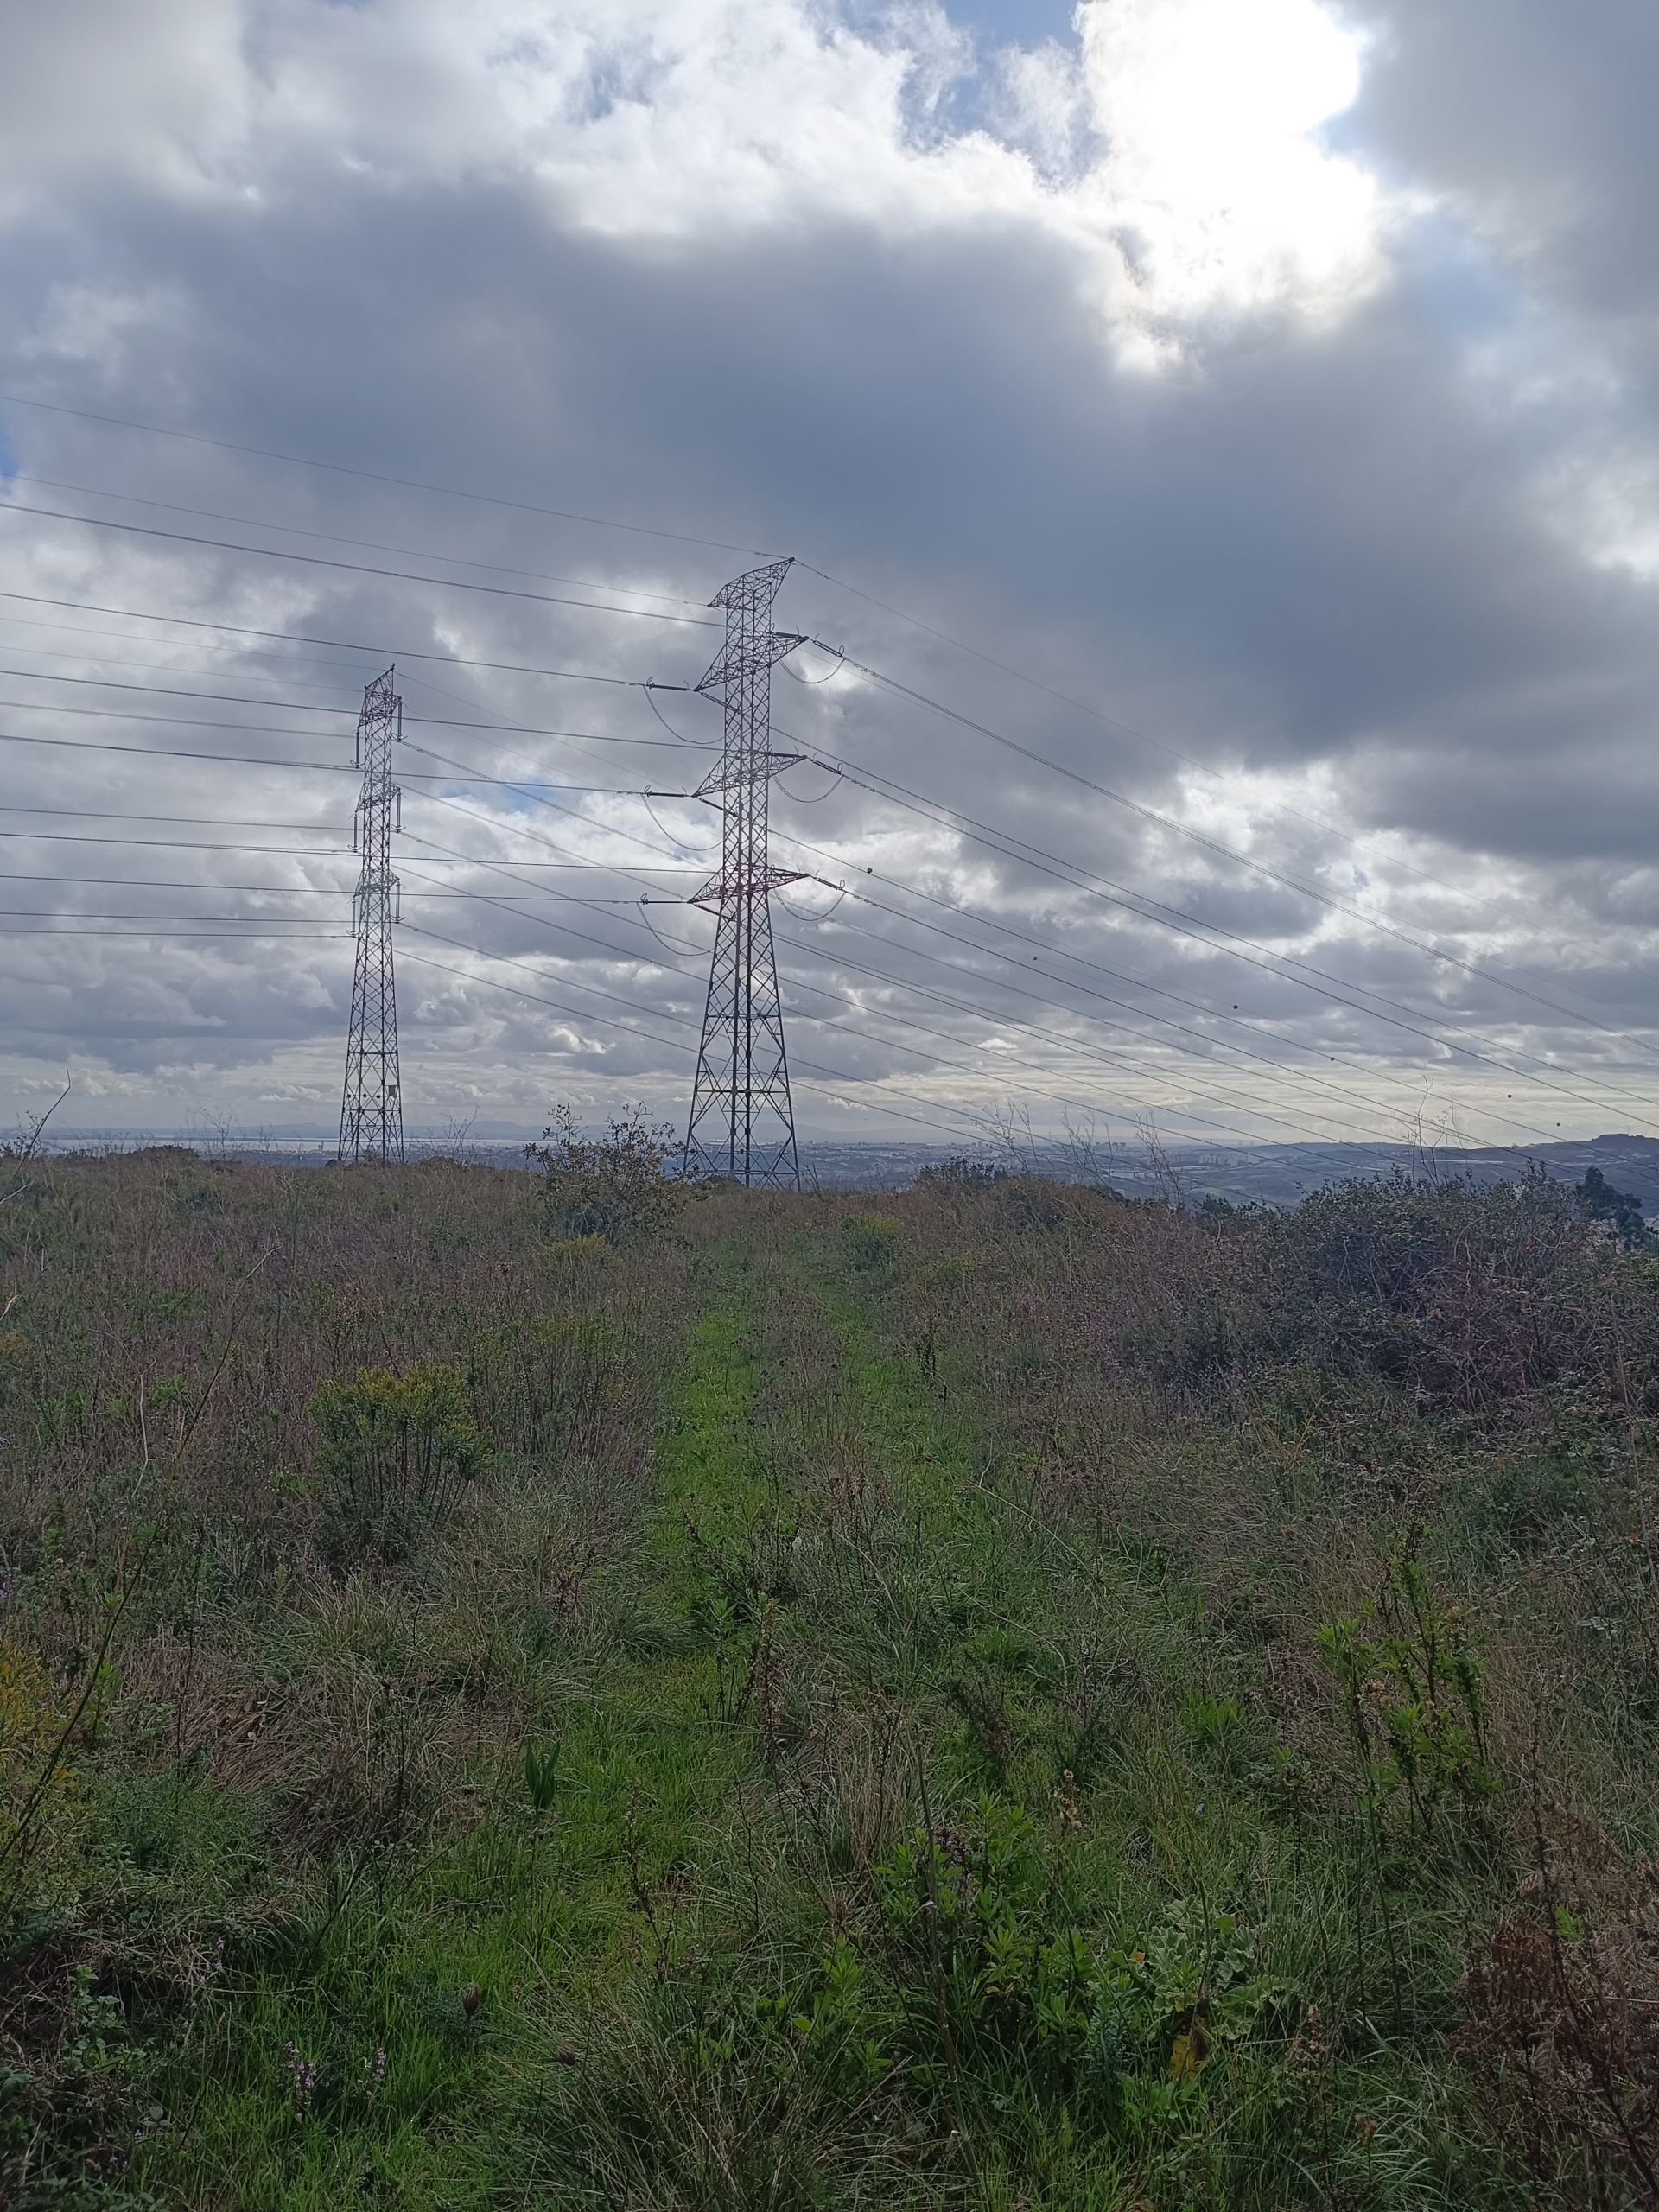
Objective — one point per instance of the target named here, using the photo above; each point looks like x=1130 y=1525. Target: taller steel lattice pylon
x=741 y=1123
x=372 y=1108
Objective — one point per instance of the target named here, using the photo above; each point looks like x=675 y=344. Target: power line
x=1160 y=1020
x=1213 y=936
x=1247 y=1104
x=837 y=1076
x=190 y=821
x=1158 y=990
x=460 y=773
x=959 y=1129
x=332 y=537
x=1084 y=1047
x=537 y=796
x=920 y=807
x=493 y=727
x=170 y=844
x=400 y=653
x=371 y=476
x=349 y=567
x=1146 y=908
x=218 y=935
x=837 y=583
x=1428 y=950
x=89 y=914
x=293 y=706
x=1163 y=1020
x=1212 y=844
x=565 y=982
x=284 y=890
x=1095 y=714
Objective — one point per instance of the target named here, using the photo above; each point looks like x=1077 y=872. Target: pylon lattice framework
x=372 y=1108
x=742 y=1124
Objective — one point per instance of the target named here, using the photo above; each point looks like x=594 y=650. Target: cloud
x=1189 y=366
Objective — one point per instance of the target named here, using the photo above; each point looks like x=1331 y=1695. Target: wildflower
x=302 y=2076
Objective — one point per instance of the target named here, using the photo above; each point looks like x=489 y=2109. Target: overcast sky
x=1235 y=424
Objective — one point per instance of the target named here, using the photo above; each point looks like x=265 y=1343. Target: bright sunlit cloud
x=1201 y=185
x=1173 y=150
x=1212 y=181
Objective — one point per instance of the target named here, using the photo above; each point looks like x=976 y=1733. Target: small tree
x=620 y=1186
x=1598 y=1201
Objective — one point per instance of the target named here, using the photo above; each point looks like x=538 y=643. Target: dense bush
x=1461 y=1295
x=396 y=1453
x=1561 y=2018
x=620 y=1186
x=1621 y=1209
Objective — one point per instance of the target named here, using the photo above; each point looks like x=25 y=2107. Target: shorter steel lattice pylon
x=742 y=1125
x=372 y=1108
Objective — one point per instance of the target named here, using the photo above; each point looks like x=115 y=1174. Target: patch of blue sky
x=1014 y=22
x=1456 y=282
x=969 y=95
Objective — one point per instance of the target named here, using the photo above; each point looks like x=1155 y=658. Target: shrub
x=873 y=1241
x=43 y=1808
x=397 y=1451
x=1598 y=1201
x=1462 y=1295
x=1412 y=1689
x=581 y=1377
x=619 y=1186
x=961 y=1174
x=1561 y=2018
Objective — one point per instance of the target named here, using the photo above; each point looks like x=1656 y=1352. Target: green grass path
x=524 y=1908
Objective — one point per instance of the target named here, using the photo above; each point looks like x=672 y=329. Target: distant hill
x=1275 y=1174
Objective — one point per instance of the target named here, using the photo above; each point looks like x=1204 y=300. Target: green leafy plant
x=1213 y=1723
x=397 y=1450
x=873 y=1243
x=1203 y=1989
x=1412 y=1692
x=542 y=1779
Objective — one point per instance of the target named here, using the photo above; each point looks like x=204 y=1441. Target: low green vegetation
x=554 y=1689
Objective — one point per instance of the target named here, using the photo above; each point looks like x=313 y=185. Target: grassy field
x=994 y=1697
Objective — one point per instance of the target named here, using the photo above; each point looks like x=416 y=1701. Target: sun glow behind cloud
x=1212 y=182
x=1173 y=150
x=1203 y=187
x=1195 y=183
